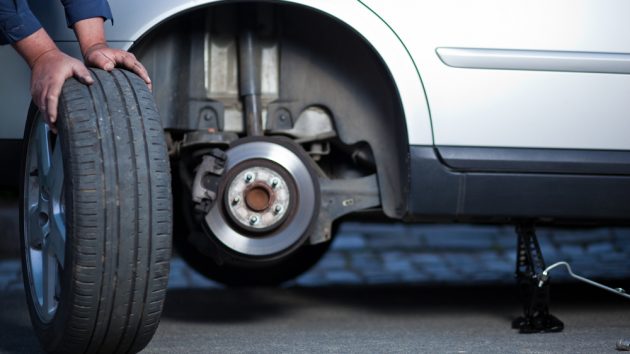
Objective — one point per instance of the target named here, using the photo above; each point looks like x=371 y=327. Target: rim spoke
x=42 y=146
x=49 y=278
x=55 y=174
x=57 y=239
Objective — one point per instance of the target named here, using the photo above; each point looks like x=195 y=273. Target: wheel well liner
x=323 y=62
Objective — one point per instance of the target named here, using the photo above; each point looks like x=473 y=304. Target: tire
x=96 y=224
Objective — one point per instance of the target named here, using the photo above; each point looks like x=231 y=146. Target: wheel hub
x=269 y=199
x=258 y=198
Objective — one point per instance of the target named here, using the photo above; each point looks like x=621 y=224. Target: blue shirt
x=17 y=21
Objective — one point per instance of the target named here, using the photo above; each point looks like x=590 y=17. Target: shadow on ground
x=243 y=305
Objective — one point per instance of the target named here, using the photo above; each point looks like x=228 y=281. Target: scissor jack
x=532 y=276
x=533 y=290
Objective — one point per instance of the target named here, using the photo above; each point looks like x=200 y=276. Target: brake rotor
x=268 y=200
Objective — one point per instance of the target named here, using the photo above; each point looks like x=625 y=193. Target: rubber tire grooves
x=120 y=216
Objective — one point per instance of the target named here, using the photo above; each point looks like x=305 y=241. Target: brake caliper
x=207 y=177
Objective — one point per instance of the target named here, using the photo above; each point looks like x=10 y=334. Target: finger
x=142 y=72
x=82 y=74
x=52 y=100
x=131 y=63
x=40 y=100
x=101 y=60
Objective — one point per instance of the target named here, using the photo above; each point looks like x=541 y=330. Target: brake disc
x=267 y=201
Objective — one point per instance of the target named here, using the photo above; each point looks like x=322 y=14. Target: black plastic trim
x=600 y=162
x=10 y=162
x=439 y=193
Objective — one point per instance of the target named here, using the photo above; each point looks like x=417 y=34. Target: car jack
x=533 y=280
x=534 y=291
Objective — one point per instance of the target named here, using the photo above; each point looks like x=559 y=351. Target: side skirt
x=441 y=193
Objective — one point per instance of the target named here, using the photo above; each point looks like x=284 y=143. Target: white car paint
x=469 y=107
x=514 y=108
x=143 y=18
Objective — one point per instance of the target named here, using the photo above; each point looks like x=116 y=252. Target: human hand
x=49 y=72
x=101 y=56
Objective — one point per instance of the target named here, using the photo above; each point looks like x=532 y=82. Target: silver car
x=281 y=117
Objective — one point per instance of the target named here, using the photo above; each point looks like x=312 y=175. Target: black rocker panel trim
x=439 y=193
x=527 y=160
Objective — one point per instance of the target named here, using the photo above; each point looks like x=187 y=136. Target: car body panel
x=350 y=12
x=473 y=78
x=516 y=108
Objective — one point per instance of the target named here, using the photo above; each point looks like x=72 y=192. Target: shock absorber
x=249 y=52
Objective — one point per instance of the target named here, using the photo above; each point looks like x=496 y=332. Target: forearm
x=91 y=34
x=34 y=46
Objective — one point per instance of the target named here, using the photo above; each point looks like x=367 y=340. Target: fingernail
x=109 y=66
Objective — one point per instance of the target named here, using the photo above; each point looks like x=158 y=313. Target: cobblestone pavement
x=431 y=254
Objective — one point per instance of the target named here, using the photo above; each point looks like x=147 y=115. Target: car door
x=535 y=74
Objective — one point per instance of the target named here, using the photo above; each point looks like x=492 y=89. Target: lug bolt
x=249 y=177
x=274 y=182
x=236 y=200
x=277 y=210
x=253 y=220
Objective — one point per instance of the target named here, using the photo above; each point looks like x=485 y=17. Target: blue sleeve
x=16 y=21
x=77 y=10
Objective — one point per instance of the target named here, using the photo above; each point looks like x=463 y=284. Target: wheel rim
x=44 y=219
x=298 y=209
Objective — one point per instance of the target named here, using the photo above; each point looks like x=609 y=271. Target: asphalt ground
x=398 y=318
x=382 y=288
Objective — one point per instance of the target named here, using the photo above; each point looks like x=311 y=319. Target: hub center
x=258 y=197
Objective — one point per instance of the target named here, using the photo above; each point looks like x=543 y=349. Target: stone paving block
x=608 y=257
x=332 y=260
x=399 y=266
x=499 y=267
x=572 y=250
x=425 y=258
x=621 y=237
x=177 y=281
x=463 y=261
x=384 y=229
x=349 y=241
x=384 y=242
x=548 y=251
x=365 y=254
x=407 y=242
x=9 y=266
x=580 y=236
x=459 y=242
x=363 y=264
x=343 y=276
x=393 y=255
x=600 y=247
x=505 y=242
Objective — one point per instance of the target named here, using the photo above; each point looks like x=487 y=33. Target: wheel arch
x=396 y=67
